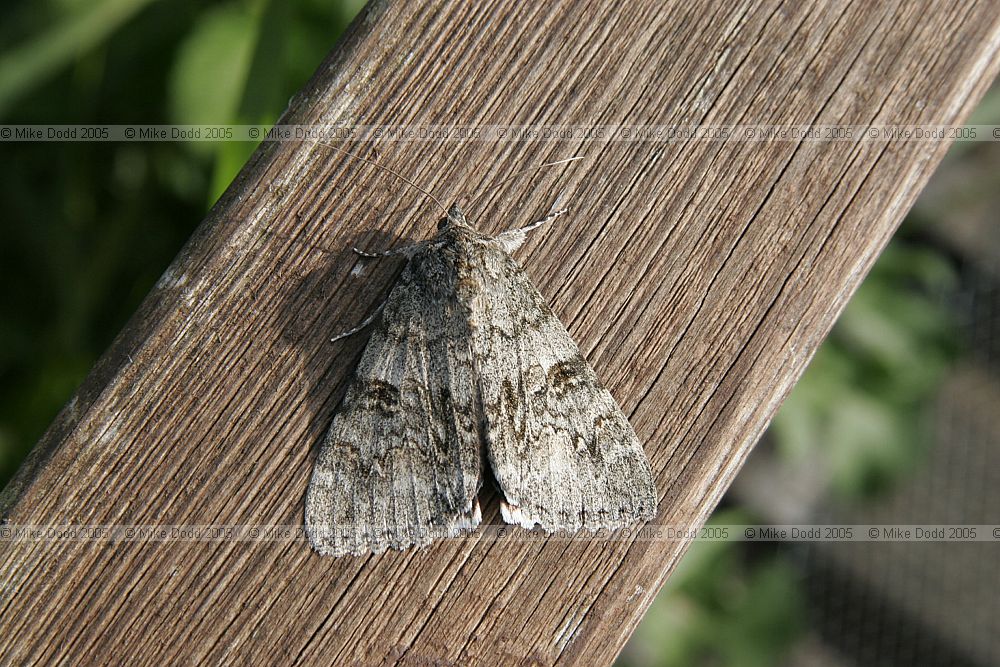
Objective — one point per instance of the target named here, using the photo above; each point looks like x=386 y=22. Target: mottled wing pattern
x=562 y=452
x=403 y=454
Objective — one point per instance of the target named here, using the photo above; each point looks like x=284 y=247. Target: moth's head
x=455 y=218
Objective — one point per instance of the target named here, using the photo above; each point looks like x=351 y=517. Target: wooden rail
x=697 y=276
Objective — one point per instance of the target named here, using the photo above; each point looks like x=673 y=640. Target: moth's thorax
x=455 y=226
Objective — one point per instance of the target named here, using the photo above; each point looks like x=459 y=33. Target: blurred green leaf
x=720 y=608
x=266 y=95
x=86 y=25
x=866 y=443
x=213 y=62
x=235 y=67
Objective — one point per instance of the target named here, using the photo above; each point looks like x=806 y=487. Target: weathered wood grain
x=698 y=278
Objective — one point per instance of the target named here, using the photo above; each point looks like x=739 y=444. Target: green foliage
x=89 y=227
x=722 y=608
x=859 y=404
x=209 y=78
x=59 y=32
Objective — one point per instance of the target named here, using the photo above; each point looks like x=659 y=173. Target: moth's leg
x=384 y=253
x=368 y=320
x=512 y=240
x=407 y=251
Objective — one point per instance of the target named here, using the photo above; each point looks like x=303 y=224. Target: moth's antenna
x=387 y=169
x=518 y=174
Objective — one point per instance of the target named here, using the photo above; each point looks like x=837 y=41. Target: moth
x=468 y=375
